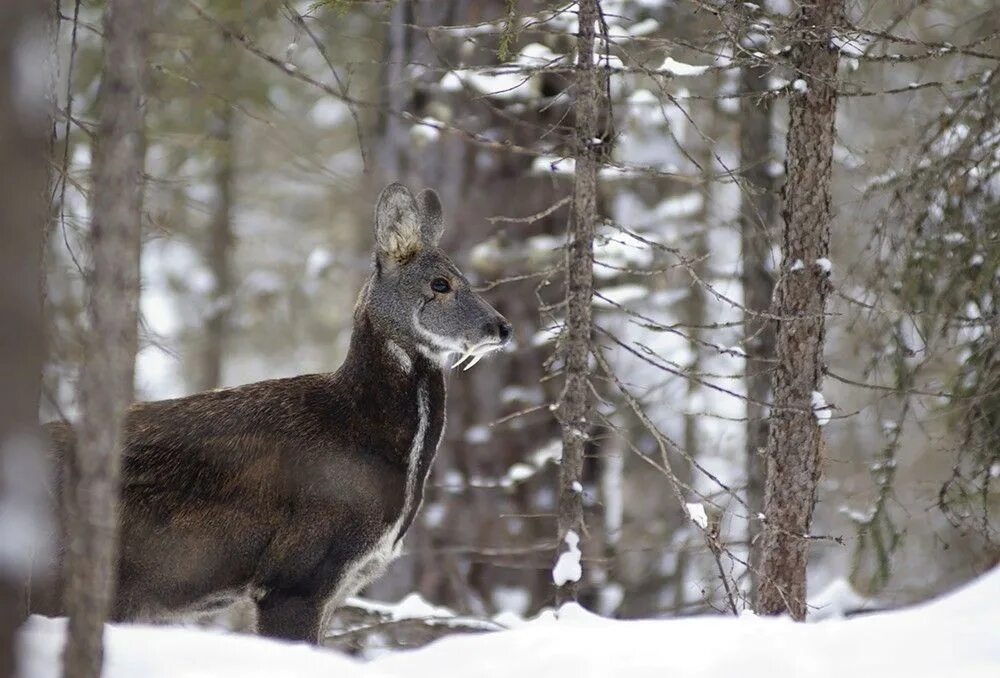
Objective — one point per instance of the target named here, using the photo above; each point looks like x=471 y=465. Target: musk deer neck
x=403 y=394
x=398 y=392
x=383 y=361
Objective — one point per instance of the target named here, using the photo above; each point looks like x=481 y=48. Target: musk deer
x=297 y=492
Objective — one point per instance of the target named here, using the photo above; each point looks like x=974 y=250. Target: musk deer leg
x=290 y=616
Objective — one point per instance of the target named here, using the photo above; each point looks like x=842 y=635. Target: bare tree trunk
x=106 y=379
x=794 y=439
x=757 y=213
x=694 y=316
x=574 y=405
x=394 y=133
x=219 y=253
x=24 y=123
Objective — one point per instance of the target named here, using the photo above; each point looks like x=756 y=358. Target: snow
x=644 y=27
x=328 y=112
x=797 y=265
x=427 y=130
x=824 y=264
x=615 y=250
x=609 y=61
x=952 y=636
x=735 y=350
x=567 y=567
x=800 y=85
x=520 y=472
x=821 y=410
x=502 y=83
x=513 y=600
x=477 y=435
x=619 y=295
x=319 y=262
x=536 y=54
x=836 y=600
x=679 y=68
x=547 y=164
x=696 y=511
x=172 y=652
x=412 y=606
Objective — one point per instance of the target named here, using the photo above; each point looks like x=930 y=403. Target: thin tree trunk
x=24 y=121
x=757 y=215
x=694 y=315
x=574 y=403
x=794 y=439
x=106 y=379
x=219 y=254
x=396 y=90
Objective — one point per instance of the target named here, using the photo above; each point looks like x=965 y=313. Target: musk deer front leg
x=295 y=613
x=290 y=615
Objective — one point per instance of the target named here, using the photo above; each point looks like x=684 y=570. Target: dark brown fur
x=270 y=487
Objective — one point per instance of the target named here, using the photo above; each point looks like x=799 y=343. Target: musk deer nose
x=504 y=331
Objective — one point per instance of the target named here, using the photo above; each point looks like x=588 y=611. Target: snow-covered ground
x=958 y=635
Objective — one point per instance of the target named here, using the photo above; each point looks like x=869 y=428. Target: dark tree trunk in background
x=106 y=379
x=574 y=402
x=219 y=252
x=794 y=439
x=24 y=121
x=757 y=215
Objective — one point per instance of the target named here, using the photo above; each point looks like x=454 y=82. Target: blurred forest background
x=270 y=127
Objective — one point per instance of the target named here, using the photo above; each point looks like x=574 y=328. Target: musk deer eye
x=440 y=285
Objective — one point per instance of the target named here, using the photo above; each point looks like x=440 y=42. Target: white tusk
x=475 y=360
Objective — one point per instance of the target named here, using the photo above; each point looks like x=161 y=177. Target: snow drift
x=958 y=635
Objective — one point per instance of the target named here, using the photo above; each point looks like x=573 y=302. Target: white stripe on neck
x=400 y=355
x=416 y=450
x=366 y=567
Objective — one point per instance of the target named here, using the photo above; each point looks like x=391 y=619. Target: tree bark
x=219 y=253
x=794 y=439
x=574 y=403
x=24 y=121
x=757 y=215
x=106 y=379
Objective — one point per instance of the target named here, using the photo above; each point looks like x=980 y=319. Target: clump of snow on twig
x=427 y=130
x=824 y=264
x=821 y=410
x=567 y=567
x=680 y=68
x=696 y=511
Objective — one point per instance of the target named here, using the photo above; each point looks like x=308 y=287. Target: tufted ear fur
x=397 y=225
x=431 y=217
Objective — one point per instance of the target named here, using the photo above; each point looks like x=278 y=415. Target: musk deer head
x=416 y=296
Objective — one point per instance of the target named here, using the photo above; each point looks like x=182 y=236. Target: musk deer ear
x=431 y=217
x=397 y=225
